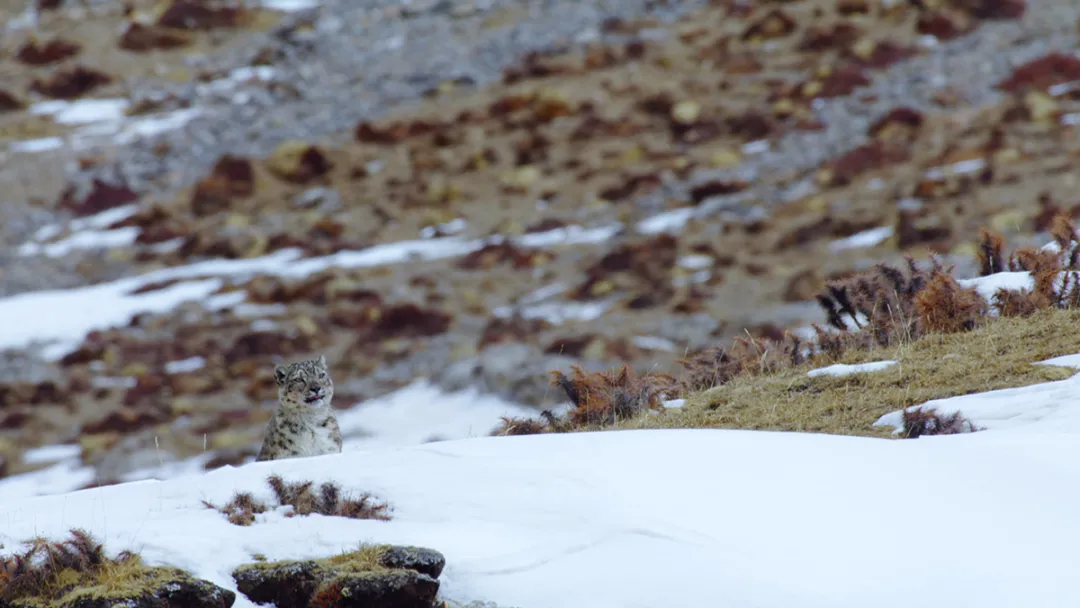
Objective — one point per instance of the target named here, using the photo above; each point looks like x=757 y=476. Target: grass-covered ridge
x=1000 y=354
x=947 y=338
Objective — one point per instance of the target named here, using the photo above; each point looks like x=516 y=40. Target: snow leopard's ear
x=281 y=374
x=322 y=360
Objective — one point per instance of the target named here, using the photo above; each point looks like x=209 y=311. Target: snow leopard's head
x=304 y=385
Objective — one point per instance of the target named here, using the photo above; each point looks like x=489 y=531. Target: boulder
x=372 y=577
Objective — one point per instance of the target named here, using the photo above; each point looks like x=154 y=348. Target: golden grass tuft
x=61 y=573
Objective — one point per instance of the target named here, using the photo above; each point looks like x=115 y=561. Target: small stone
x=686 y=112
x=425 y=561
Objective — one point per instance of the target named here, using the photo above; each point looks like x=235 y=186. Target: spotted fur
x=304 y=423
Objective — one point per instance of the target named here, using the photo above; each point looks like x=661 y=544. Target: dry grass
x=51 y=573
x=305 y=499
x=998 y=354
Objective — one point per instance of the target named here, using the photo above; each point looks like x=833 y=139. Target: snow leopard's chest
x=308 y=438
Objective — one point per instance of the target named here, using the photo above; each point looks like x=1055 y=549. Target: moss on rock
x=77 y=574
x=374 y=576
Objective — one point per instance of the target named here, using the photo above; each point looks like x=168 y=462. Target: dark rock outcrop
x=372 y=577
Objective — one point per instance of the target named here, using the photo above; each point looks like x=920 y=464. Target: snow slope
x=652 y=518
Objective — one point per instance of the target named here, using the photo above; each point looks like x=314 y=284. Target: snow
x=618 y=519
x=989 y=285
x=289 y=5
x=111 y=304
x=104 y=118
x=844 y=369
x=51 y=453
x=1039 y=408
x=41 y=144
x=184 y=366
x=668 y=221
x=421 y=413
x=866 y=238
x=90 y=239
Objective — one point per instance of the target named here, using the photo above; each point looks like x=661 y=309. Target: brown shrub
x=241 y=510
x=601 y=398
x=920 y=421
x=944 y=306
x=305 y=499
x=38 y=569
x=989 y=252
x=510 y=426
x=716 y=365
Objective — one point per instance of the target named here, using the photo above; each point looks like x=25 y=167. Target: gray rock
x=392 y=589
x=425 y=561
x=346 y=582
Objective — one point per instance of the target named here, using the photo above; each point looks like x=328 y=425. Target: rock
x=298 y=162
x=424 y=561
x=282 y=584
x=178 y=590
x=372 y=577
x=389 y=589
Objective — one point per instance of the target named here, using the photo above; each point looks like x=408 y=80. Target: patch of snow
x=56 y=479
x=75 y=312
x=844 y=369
x=1049 y=407
x=987 y=286
x=184 y=366
x=422 y=413
x=958 y=168
x=668 y=221
x=756 y=147
x=105 y=218
x=548 y=291
x=454 y=226
x=674 y=403
x=654 y=343
x=512 y=514
x=90 y=239
x=866 y=238
x=1072 y=361
x=696 y=261
x=33 y=146
x=238 y=76
x=570 y=235
x=107 y=118
x=66 y=316
x=81 y=111
x=556 y=313
x=1063 y=88
x=135 y=127
x=51 y=453
x=288 y=6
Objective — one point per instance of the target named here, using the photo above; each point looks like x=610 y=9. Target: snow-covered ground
x=651 y=518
